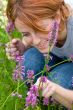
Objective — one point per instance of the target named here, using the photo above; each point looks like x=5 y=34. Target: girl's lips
x=44 y=47
x=41 y=46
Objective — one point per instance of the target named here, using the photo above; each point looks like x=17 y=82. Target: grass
x=7 y=85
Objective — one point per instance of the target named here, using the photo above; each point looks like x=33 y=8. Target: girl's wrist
x=56 y=88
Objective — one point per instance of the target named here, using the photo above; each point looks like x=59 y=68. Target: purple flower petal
x=30 y=74
x=43 y=79
x=34 y=90
x=31 y=99
x=45 y=101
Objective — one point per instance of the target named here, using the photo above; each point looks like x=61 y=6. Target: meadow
x=7 y=84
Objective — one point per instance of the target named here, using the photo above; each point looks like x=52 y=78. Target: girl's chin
x=44 y=50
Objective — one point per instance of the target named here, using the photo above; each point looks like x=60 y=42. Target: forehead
x=20 y=26
x=23 y=27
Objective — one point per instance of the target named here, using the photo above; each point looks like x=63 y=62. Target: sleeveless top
x=67 y=49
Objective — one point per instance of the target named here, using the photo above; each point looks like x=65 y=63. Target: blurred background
x=3 y=18
x=70 y=2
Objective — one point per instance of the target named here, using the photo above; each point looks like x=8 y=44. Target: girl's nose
x=36 y=40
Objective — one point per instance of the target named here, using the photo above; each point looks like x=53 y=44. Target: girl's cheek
x=27 y=40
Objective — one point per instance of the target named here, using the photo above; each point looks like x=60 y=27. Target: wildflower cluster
x=53 y=35
x=33 y=95
x=30 y=74
x=31 y=99
x=43 y=79
x=47 y=67
x=10 y=27
x=45 y=101
x=16 y=94
x=30 y=77
x=19 y=71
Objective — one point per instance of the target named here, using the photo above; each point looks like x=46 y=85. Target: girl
x=36 y=19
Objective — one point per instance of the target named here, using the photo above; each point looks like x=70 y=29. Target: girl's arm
x=63 y=96
x=60 y=94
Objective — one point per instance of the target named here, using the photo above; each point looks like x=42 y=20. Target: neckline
x=67 y=41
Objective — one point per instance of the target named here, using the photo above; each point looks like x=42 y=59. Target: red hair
x=30 y=11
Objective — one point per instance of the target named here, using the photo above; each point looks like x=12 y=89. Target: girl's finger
x=14 y=41
x=46 y=89
x=13 y=50
x=50 y=92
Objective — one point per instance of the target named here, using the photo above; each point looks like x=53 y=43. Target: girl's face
x=36 y=39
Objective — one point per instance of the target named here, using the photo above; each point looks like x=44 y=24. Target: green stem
x=15 y=104
x=17 y=92
x=8 y=73
x=18 y=86
x=16 y=89
x=60 y=63
x=12 y=93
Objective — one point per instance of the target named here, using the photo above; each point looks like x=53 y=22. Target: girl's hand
x=48 y=87
x=15 y=47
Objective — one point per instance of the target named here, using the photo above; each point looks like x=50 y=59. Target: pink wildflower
x=54 y=34
x=31 y=99
x=19 y=71
x=47 y=67
x=13 y=94
x=19 y=58
x=45 y=101
x=16 y=94
x=30 y=74
x=43 y=79
x=9 y=27
x=19 y=96
x=34 y=90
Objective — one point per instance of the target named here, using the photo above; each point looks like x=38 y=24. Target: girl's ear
x=58 y=16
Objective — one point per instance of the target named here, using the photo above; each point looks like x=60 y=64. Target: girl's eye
x=26 y=34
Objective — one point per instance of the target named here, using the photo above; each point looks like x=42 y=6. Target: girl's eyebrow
x=24 y=32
